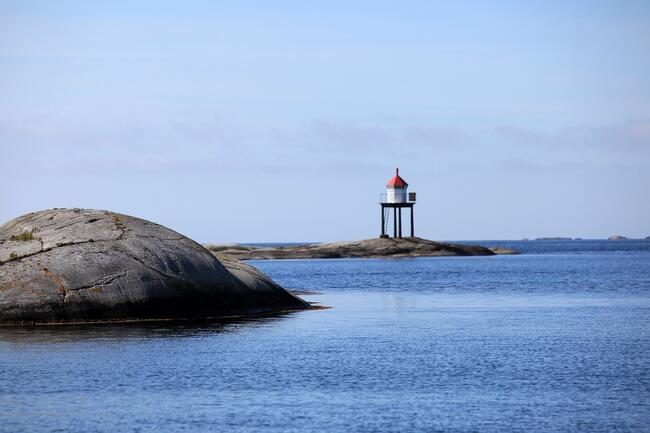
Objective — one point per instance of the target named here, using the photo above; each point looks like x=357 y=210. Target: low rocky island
x=556 y=238
x=369 y=248
x=85 y=265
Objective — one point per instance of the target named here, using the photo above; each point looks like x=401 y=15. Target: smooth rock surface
x=82 y=265
x=370 y=248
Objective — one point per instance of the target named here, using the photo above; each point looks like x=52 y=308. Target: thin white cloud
x=630 y=135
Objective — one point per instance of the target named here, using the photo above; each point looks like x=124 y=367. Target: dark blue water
x=556 y=339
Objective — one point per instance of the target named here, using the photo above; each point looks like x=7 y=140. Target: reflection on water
x=52 y=334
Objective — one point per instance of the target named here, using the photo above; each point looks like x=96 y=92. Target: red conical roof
x=397 y=181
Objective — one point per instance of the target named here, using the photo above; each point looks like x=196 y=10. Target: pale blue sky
x=282 y=121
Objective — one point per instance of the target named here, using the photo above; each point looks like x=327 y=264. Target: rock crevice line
x=103 y=281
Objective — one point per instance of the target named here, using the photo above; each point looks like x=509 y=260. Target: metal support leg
x=412 y=228
x=399 y=217
x=383 y=223
x=394 y=222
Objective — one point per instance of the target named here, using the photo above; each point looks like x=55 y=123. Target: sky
x=241 y=121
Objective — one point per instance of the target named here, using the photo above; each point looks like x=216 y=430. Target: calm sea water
x=556 y=339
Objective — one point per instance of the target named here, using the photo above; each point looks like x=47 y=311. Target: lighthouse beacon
x=396 y=189
x=396 y=198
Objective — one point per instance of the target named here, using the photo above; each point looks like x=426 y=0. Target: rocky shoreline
x=368 y=248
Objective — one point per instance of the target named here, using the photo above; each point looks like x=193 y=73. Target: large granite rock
x=81 y=265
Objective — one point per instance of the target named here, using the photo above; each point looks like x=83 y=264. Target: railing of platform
x=383 y=198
